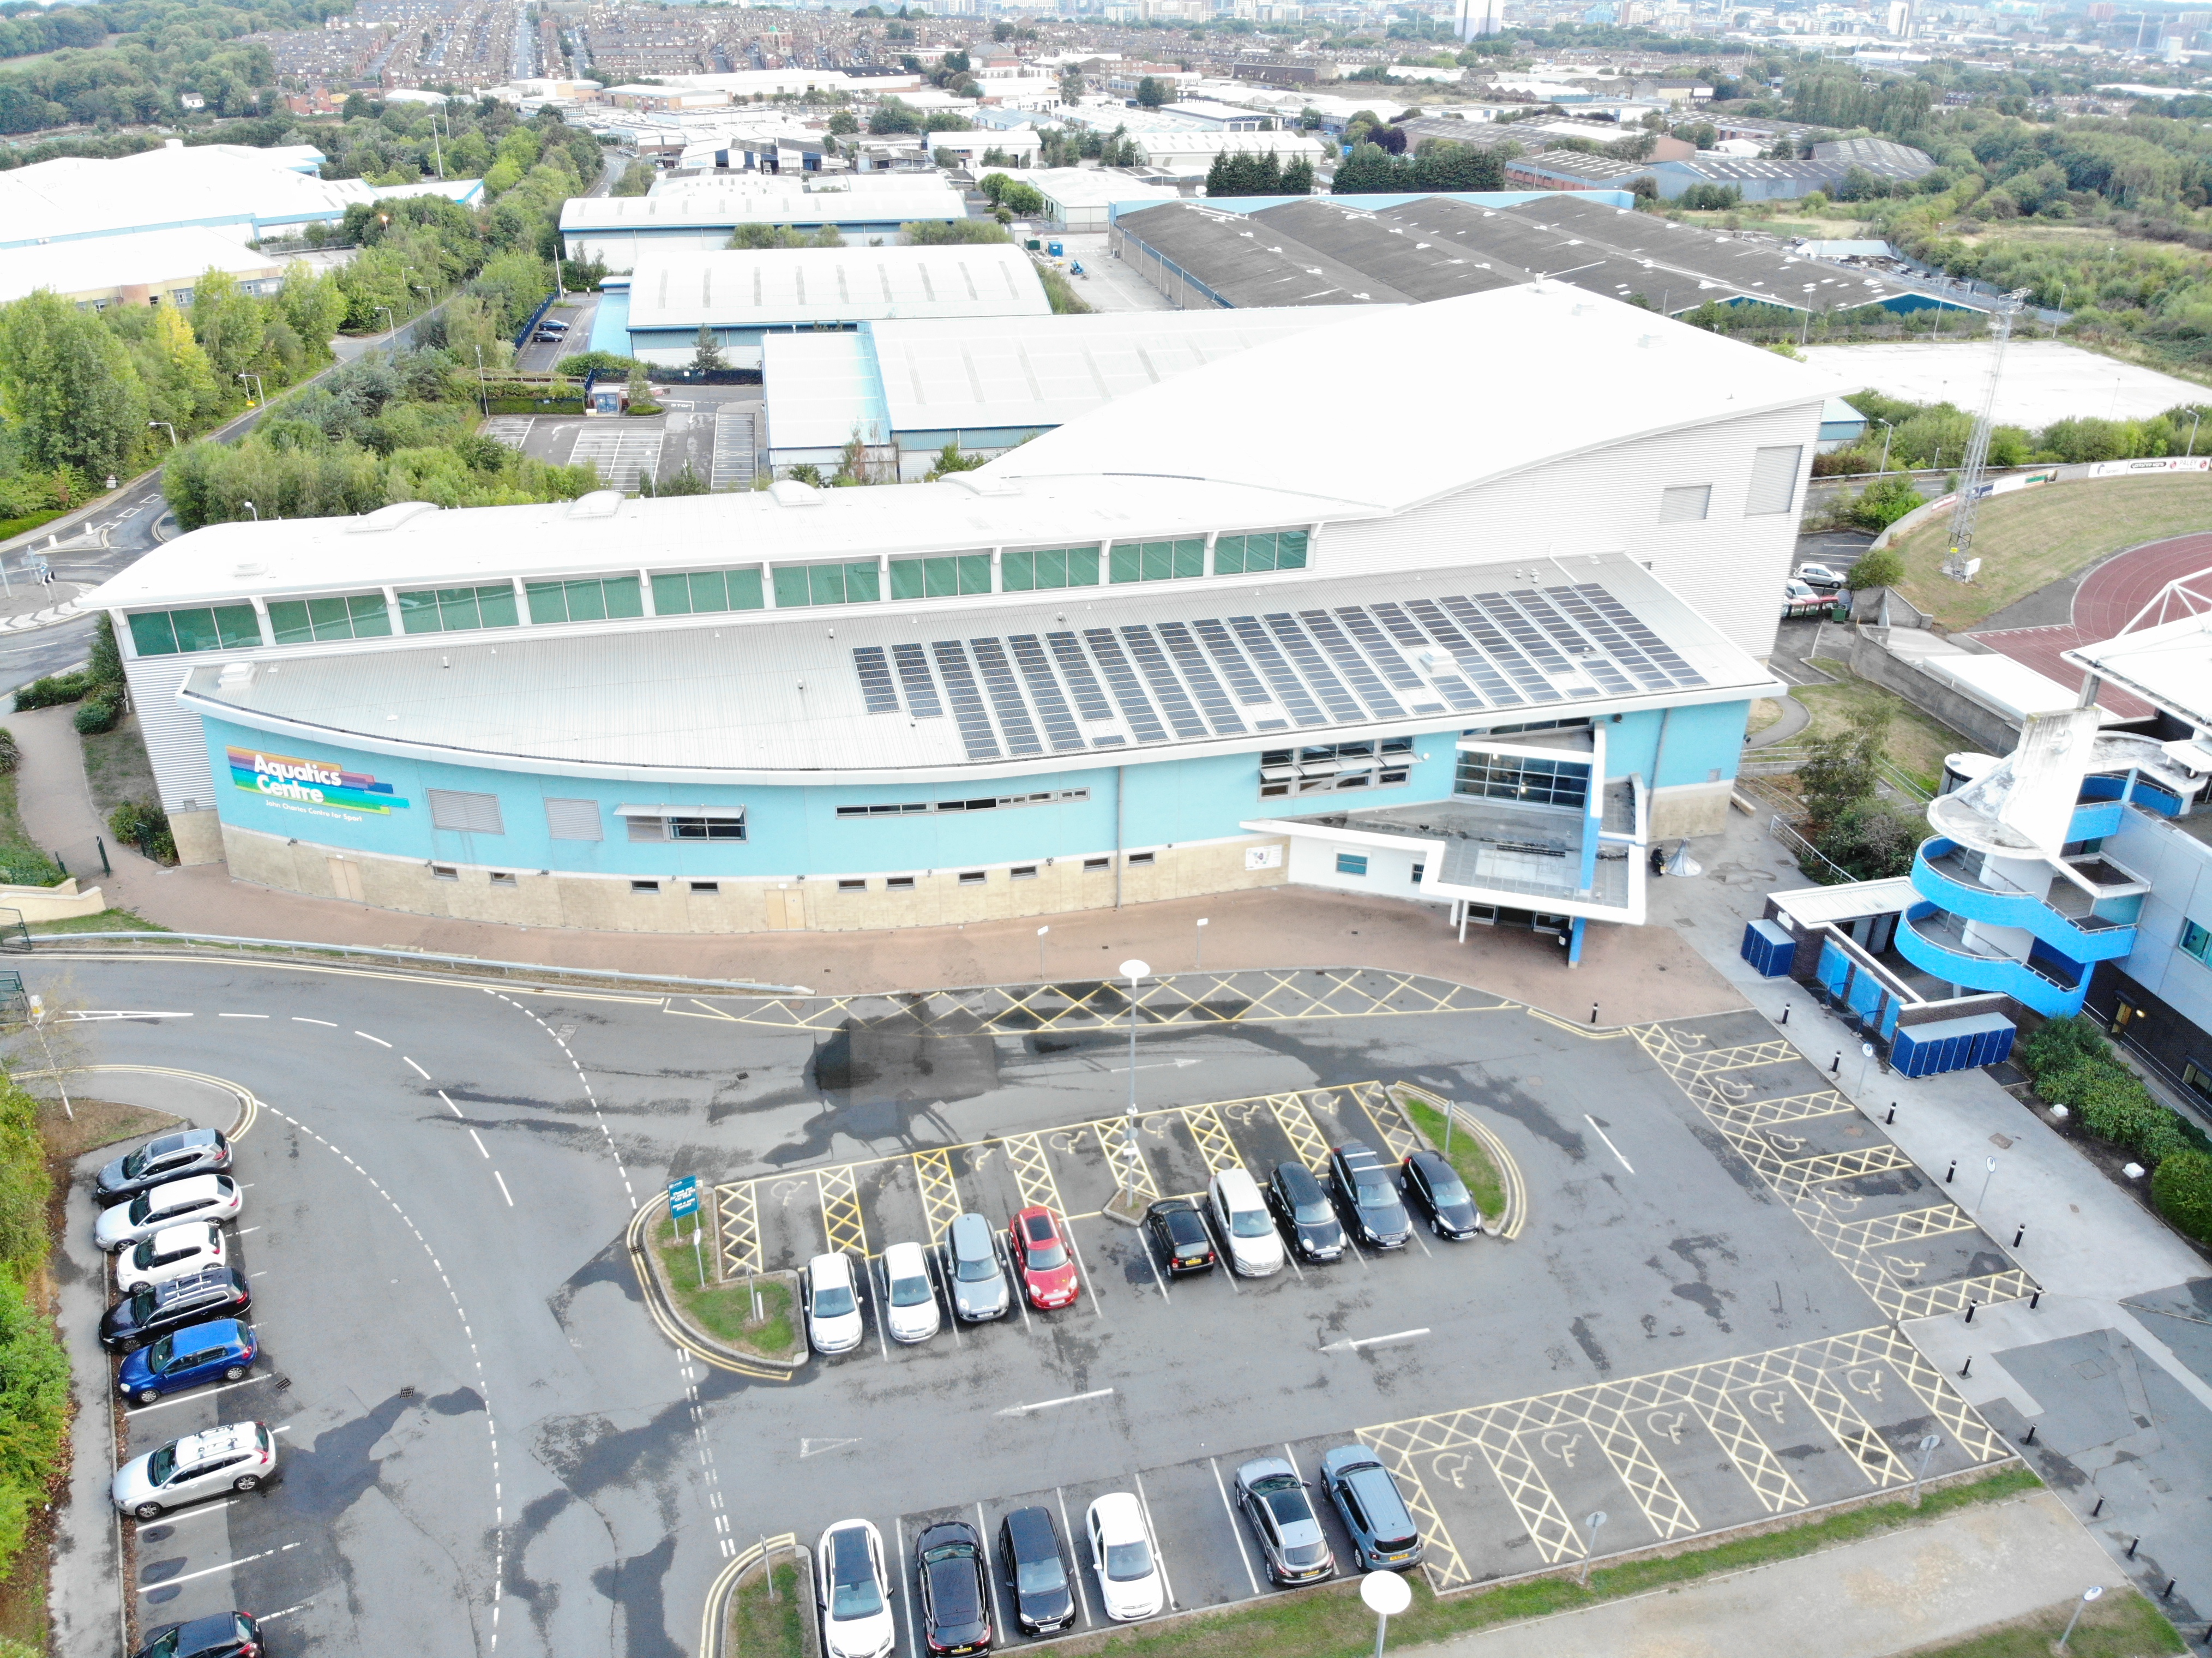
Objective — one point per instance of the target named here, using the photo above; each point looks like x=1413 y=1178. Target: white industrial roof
x=923 y=198
x=822 y=388
x=786 y=184
x=1626 y=372
x=780 y=695
x=683 y=289
x=2010 y=690
x=1046 y=371
x=1072 y=186
x=150 y=256
x=200 y=184
x=1813 y=905
x=2169 y=666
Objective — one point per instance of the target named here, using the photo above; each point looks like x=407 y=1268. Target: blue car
x=221 y=1350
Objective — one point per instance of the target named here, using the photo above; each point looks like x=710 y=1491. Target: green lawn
x=1333 y=1623
x=22 y=862
x=1916 y=744
x=2030 y=538
x=108 y=920
x=2123 y=1624
x=724 y=1311
x=1467 y=1154
x=762 y=1626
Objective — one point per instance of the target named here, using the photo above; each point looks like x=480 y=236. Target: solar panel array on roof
x=1173 y=681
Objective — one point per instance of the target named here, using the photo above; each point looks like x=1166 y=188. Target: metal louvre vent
x=1185 y=681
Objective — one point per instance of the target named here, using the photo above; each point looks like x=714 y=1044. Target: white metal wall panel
x=174 y=741
x=1729 y=567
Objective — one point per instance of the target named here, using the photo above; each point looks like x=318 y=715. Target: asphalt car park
x=480 y=1431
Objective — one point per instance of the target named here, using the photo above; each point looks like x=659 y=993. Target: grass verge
x=1916 y=744
x=2034 y=537
x=23 y=861
x=725 y=1311
x=116 y=767
x=1334 y=1623
x=762 y=1627
x=1764 y=712
x=108 y=920
x=2120 y=1625
x=1467 y=1154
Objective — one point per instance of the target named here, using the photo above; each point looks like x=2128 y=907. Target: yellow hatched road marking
x=940 y=1195
x=1125 y=1158
x=842 y=1223
x=1879 y=1231
x=1389 y=1120
x=1213 y=1142
x=1441 y=1559
x=1297 y=1125
x=741 y=1240
x=1026 y=1156
x=1762 y=1113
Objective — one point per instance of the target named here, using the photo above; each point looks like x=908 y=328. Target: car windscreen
x=1374 y=1187
x=1045 y=1249
x=1315 y=1212
x=161 y=1464
x=858 y=1600
x=140 y=1206
x=833 y=1303
x=1043 y=1576
x=1127 y=1562
x=1450 y=1191
x=1250 y=1224
x=910 y=1291
x=974 y=1269
x=161 y=1352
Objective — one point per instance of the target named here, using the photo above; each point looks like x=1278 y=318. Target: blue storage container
x=1768 y=948
x=1929 y=1050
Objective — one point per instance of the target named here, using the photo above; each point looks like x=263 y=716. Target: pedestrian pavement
x=1913 y=1586
x=2133 y=1425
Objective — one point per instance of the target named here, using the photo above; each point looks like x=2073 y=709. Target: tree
x=638 y=390
x=1881 y=568
x=637 y=179
x=1153 y=92
x=1298 y=177
x=843 y=122
x=949 y=460
x=936 y=232
x=68 y=386
x=227 y=322
x=1367 y=171
x=707 y=356
x=1840 y=774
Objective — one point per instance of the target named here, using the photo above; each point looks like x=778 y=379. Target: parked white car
x=236 y=1457
x=853 y=1592
x=910 y=1310
x=1241 y=1217
x=176 y=1251
x=1123 y=1555
x=834 y=1324
x=199 y=1197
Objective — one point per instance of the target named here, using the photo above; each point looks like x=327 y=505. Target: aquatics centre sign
x=288 y=779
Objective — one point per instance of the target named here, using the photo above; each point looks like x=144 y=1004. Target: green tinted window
x=584 y=601
x=700 y=592
x=453 y=609
x=167 y=633
x=941 y=578
x=1158 y=560
x=355 y=615
x=1274 y=550
x=1047 y=567
x=826 y=584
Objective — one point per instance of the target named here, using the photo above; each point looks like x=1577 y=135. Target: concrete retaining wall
x=1872 y=660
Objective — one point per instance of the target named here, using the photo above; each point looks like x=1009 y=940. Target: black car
x=1036 y=1565
x=1368 y=1194
x=155 y=1309
x=226 y=1634
x=172 y=1157
x=1179 y=1233
x=1435 y=1187
x=956 y=1602
x=1302 y=1210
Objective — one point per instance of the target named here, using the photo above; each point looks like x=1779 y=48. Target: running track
x=2109 y=598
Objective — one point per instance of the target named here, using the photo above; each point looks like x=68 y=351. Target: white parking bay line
x=998 y=1600
x=903 y=1602
x=1083 y=1270
x=1049 y=1404
x=1374 y=1341
x=197 y=1393
x=227 y=1565
x=1235 y=1530
x=1159 y=1557
x=1082 y=1577
x=1607 y=1138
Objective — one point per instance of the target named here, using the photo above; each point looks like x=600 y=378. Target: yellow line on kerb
x=249 y=1107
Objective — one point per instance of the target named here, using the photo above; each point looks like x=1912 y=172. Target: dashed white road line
x=419 y=1071
x=590 y=1097
x=450 y=1106
x=330 y=1024
x=366 y=1037
x=478 y=1139
x=503 y=1192
x=241 y=1016
x=1607 y=1138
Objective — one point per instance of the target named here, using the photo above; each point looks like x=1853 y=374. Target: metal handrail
x=534 y=969
x=1798 y=844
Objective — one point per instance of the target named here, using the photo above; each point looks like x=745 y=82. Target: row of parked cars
x=1365 y=1198
x=178 y=1321
x=952 y=1590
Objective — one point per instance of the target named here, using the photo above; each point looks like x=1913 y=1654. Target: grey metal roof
x=1249 y=266
x=1371 y=243
x=1081 y=675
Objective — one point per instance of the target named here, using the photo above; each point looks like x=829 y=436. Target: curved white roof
x=1521 y=398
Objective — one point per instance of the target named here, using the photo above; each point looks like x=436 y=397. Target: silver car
x=973 y=1271
x=236 y=1457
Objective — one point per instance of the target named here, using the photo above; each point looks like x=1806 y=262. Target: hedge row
x=34 y=1369
x=2072 y=1064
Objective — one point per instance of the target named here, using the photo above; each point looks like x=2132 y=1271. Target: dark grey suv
x=1384 y=1535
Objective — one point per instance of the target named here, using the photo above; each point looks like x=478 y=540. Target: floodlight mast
x=1973 y=477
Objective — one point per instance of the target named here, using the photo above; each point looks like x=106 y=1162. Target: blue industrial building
x=1187 y=642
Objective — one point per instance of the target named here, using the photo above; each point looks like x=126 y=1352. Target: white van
x=1241 y=1217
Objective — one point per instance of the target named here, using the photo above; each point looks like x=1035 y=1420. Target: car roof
x=1296 y=1174
x=228 y=1331
x=200 y=1233
x=213 y=1442
x=1031 y=1529
x=902 y=1260
x=1433 y=1161
x=192 y=1185
x=948 y=1531
x=849 y=1539
x=1236 y=1184
x=969 y=1235
x=1259 y=1467
x=1119 y=1516
x=1356 y=1153
x=835 y=1263
x=207 y=1277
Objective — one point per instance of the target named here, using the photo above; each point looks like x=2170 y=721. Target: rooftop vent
x=597 y=503
x=976 y=484
x=235 y=675
x=389 y=518
x=790 y=492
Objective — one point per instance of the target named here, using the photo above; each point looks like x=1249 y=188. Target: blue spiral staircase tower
x=2014 y=892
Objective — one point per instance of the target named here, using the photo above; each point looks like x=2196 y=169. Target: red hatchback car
x=1046 y=1265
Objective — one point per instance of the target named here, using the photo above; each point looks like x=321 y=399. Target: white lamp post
x=2091 y=1593
x=1134 y=971
x=1385 y=1594
x=1041 y=933
x=1198 y=950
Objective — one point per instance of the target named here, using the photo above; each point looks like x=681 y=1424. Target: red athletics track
x=2109 y=598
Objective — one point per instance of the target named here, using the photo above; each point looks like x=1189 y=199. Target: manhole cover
x=2002 y=1142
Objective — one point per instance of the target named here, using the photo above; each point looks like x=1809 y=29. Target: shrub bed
x=2072 y=1064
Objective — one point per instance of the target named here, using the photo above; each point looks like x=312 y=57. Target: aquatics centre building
x=1274 y=619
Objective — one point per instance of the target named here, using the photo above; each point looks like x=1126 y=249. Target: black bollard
x=1785 y=1013
x=1952 y=1173
x=2018 y=1233
x=2167 y=1593
x=2099 y=1510
x=1892 y=1117
x=1968 y=1365
x=1836 y=1065
x=1593 y=1012
x=2133 y=1546
x=2034 y=1301
x=1970 y=1310
x=2030 y=1440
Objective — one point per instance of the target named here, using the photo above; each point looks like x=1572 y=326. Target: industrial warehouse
x=1125 y=661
